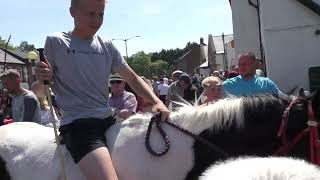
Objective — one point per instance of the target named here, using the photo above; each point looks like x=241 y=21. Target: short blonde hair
x=211 y=80
x=76 y=3
x=250 y=55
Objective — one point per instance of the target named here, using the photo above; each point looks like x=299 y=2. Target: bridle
x=157 y=119
x=312 y=129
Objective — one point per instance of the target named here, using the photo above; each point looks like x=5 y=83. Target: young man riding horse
x=79 y=64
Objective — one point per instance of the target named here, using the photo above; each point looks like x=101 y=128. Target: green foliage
x=158 y=63
x=158 y=68
x=171 y=55
x=25 y=47
x=3 y=44
x=141 y=63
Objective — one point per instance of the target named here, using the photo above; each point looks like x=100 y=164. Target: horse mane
x=226 y=112
x=219 y=115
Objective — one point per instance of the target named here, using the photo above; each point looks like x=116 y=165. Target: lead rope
x=164 y=136
x=53 y=117
x=55 y=129
x=157 y=119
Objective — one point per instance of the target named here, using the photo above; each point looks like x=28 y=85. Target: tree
x=158 y=63
x=171 y=55
x=141 y=63
x=25 y=47
x=159 y=68
x=3 y=43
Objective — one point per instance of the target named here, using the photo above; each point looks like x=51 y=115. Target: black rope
x=163 y=134
x=157 y=119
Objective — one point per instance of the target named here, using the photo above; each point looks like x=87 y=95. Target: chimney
x=201 y=41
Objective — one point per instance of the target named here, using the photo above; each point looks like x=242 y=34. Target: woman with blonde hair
x=212 y=90
x=46 y=117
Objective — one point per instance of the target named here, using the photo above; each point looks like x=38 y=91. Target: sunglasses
x=116 y=82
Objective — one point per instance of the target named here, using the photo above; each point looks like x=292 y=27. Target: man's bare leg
x=97 y=165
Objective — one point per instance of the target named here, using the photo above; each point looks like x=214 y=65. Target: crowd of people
x=180 y=88
x=246 y=79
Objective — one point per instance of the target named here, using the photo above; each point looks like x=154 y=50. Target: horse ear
x=301 y=93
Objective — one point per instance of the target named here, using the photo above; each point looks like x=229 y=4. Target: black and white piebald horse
x=259 y=168
x=242 y=126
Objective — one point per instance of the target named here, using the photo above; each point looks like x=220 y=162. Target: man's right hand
x=43 y=71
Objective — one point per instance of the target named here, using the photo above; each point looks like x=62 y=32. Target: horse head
x=253 y=129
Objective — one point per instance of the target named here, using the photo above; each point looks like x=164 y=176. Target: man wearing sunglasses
x=124 y=102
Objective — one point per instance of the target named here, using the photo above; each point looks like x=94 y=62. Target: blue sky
x=161 y=23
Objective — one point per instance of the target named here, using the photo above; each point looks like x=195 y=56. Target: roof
x=10 y=58
x=22 y=55
x=204 y=65
x=218 y=42
x=185 y=54
x=217 y=46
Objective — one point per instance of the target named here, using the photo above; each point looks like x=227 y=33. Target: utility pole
x=125 y=42
x=225 y=63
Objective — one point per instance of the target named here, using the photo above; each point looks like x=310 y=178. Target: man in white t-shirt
x=162 y=90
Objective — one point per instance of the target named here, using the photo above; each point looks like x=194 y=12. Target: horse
x=262 y=168
x=239 y=126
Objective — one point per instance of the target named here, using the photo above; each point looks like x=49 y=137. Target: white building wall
x=205 y=71
x=245 y=27
x=291 y=46
x=219 y=60
x=230 y=56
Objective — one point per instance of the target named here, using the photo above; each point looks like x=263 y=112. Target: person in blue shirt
x=248 y=83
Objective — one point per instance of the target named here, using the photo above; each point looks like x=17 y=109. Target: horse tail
x=4 y=174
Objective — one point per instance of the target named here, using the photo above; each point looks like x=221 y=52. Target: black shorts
x=85 y=135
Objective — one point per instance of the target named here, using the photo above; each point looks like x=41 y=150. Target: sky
x=162 y=24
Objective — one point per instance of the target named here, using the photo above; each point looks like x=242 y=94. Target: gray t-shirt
x=25 y=107
x=81 y=74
